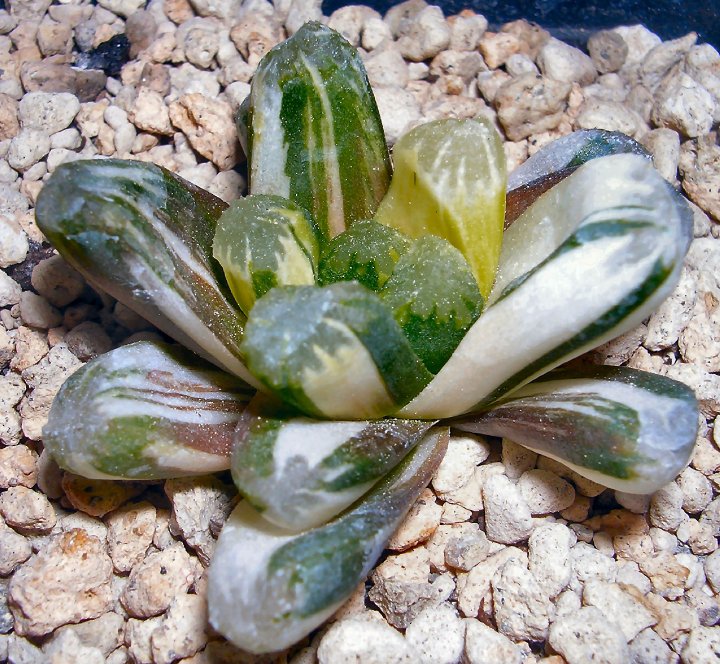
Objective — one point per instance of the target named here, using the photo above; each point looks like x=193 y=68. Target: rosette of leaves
x=341 y=317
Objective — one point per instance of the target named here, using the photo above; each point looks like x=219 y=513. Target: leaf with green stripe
x=145 y=411
x=269 y=588
x=625 y=429
x=449 y=181
x=299 y=472
x=313 y=130
x=144 y=235
x=333 y=352
x=366 y=252
x=557 y=160
x=435 y=299
x=588 y=261
x=265 y=241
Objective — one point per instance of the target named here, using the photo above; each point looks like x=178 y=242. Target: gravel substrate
x=507 y=557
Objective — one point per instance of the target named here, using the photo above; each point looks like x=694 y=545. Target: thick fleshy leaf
x=434 y=298
x=559 y=159
x=145 y=411
x=588 y=261
x=262 y=242
x=145 y=236
x=449 y=181
x=366 y=252
x=313 y=130
x=626 y=429
x=299 y=472
x=332 y=352
x=269 y=588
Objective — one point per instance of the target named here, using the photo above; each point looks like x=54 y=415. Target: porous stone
x=200 y=507
x=466 y=30
x=364 y=639
x=27 y=148
x=684 y=105
x=700 y=168
x=66 y=582
x=549 y=557
x=155 y=581
x=9 y=121
x=531 y=104
x=562 y=62
x=48 y=112
x=703 y=645
x=13 y=242
x=498 y=47
x=87 y=340
x=425 y=35
x=14 y=549
x=149 y=113
x=437 y=634
x=97 y=497
x=545 y=492
x=588 y=636
x=10 y=290
x=608 y=51
x=522 y=607
x=208 y=125
x=183 y=630
x=399 y=111
x=507 y=515
x=696 y=490
x=18 y=466
x=27 y=510
x=619 y=607
x=104 y=634
x=483 y=645
x=37 y=312
x=467 y=550
x=402 y=588
x=661 y=59
x=56 y=281
x=419 y=524
x=666 y=573
x=457 y=467
x=589 y=563
x=666 y=508
x=130 y=533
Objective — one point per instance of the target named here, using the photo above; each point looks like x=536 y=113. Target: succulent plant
x=341 y=318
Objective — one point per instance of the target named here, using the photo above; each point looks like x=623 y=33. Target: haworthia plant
x=269 y=588
x=263 y=242
x=299 y=472
x=145 y=411
x=434 y=298
x=559 y=159
x=332 y=352
x=449 y=181
x=626 y=429
x=366 y=252
x=145 y=236
x=313 y=130
x=582 y=265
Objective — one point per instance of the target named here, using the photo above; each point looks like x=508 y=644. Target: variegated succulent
x=341 y=318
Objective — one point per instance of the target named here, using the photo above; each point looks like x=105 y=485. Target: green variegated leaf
x=366 y=252
x=626 y=429
x=299 y=472
x=145 y=236
x=434 y=298
x=332 y=352
x=557 y=160
x=588 y=261
x=262 y=242
x=313 y=130
x=269 y=588
x=449 y=181
x=145 y=411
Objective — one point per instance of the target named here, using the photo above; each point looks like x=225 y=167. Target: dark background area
x=574 y=20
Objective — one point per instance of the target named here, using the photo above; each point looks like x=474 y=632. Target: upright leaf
x=269 y=588
x=434 y=298
x=299 y=472
x=145 y=236
x=626 y=429
x=145 y=411
x=263 y=242
x=449 y=181
x=313 y=130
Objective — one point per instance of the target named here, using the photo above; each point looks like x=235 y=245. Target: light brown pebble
x=130 y=532
x=18 y=466
x=702 y=646
x=545 y=492
x=437 y=634
x=104 y=633
x=27 y=510
x=14 y=549
x=648 y=648
x=589 y=636
x=367 y=640
x=97 y=497
x=138 y=635
x=55 y=280
x=549 y=557
x=608 y=51
x=66 y=582
x=631 y=616
x=666 y=573
x=159 y=578
x=419 y=524
x=37 y=312
x=507 y=515
x=483 y=645
x=183 y=630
